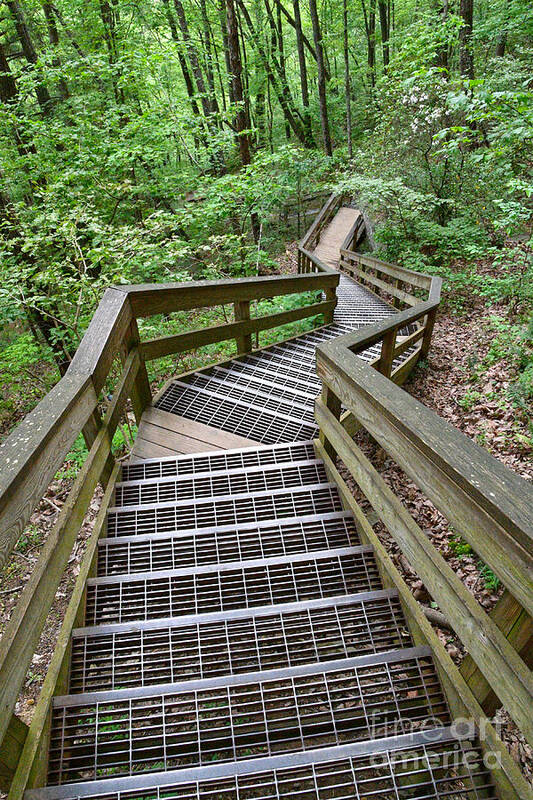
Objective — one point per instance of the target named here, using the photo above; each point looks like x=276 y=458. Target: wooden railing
x=32 y=454
x=487 y=504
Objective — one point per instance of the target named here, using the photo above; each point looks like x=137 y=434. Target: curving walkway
x=267 y=396
x=238 y=642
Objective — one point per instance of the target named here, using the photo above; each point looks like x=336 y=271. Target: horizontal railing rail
x=488 y=505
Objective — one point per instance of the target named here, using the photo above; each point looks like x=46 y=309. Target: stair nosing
x=211 y=453
x=222 y=498
x=151 y=780
x=397 y=655
x=285 y=465
x=228 y=566
x=233 y=614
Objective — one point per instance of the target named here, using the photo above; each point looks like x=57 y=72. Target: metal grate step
x=242 y=717
x=293 y=390
x=233 y=642
x=222 y=587
x=218 y=460
x=207 y=484
x=228 y=415
x=308 y=383
x=227 y=510
x=429 y=766
x=149 y=553
x=272 y=398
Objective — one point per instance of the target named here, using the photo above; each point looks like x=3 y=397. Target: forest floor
x=457 y=382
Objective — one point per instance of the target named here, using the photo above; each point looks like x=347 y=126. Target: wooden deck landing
x=331 y=239
x=162 y=434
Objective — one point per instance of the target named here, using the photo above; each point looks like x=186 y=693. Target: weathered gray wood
x=34 y=451
x=164 y=298
x=490 y=506
x=24 y=628
x=517 y=627
x=103 y=338
x=11 y=750
x=160 y=429
x=181 y=342
x=404 y=343
x=506 y=774
x=141 y=394
x=400 y=374
x=242 y=313
x=387 y=352
x=428 y=333
x=354 y=233
x=417 y=279
x=56 y=678
x=393 y=290
x=503 y=668
x=325 y=213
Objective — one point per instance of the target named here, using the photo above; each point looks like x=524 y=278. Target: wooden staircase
x=238 y=631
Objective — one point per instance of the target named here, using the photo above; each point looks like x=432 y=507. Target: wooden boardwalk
x=264 y=397
x=238 y=631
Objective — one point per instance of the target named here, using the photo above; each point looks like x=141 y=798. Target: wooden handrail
x=490 y=506
x=35 y=450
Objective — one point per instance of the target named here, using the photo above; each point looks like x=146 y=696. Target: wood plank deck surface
x=332 y=237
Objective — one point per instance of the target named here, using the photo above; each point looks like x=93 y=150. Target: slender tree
x=466 y=56
x=322 y=98
x=347 y=85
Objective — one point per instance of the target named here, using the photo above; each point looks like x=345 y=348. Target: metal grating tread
x=207 y=484
x=246 y=716
x=221 y=587
x=273 y=397
x=290 y=389
x=236 y=642
x=225 y=414
x=149 y=553
x=304 y=383
x=429 y=766
x=218 y=460
x=226 y=510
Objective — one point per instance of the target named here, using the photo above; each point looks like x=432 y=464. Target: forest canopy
x=161 y=140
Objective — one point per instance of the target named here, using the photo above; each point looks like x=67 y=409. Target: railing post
x=331 y=294
x=387 y=352
x=333 y=404
x=428 y=333
x=242 y=312
x=141 y=394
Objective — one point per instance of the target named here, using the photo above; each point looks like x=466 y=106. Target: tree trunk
x=317 y=36
x=241 y=119
x=181 y=58
x=370 y=30
x=466 y=56
x=193 y=57
x=304 y=86
x=208 y=46
x=384 y=25
x=30 y=54
x=282 y=90
x=347 y=87
x=53 y=36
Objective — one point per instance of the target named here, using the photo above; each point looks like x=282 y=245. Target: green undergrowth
x=462 y=549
